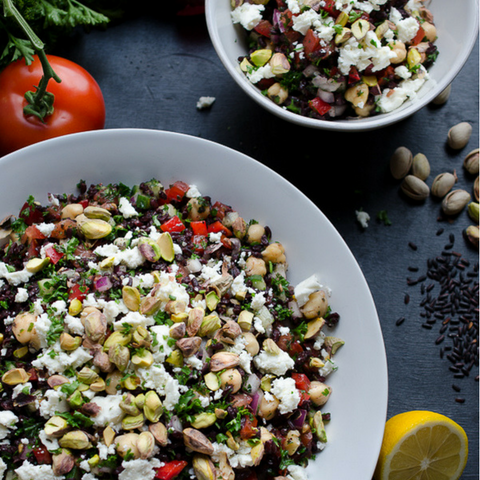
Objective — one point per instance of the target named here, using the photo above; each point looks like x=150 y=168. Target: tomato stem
x=40 y=102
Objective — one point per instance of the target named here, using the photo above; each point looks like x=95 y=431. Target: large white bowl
x=457 y=28
x=312 y=244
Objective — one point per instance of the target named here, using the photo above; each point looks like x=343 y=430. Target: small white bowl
x=457 y=27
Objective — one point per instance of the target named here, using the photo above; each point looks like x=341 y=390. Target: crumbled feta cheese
x=14 y=278
x=407 y=29
x=305 y=288
x=135 y=469
x=205 y=102
x=53 y=401
x=296 y=472
x=126 y=208
x=3 y=468
x=286 y=392
x=29 y=471
x=403 y=72
x=55 y=360
x=394 y=98
x=302 y=22
x=110 y=413
x=248 y=15
x=21 y=295
x=8 y=421
x=278 y=364
x=362 y=217
x=45 y=228
x=260 y=73
x=329 y=367
x=193 y=192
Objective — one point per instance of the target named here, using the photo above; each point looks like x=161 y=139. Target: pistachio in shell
x=471 y=162
x=442 y=184
x=197 y=441
x=420 y=166
x=443 y=96
x=415 y=188
x=459 y=135
x=471 y=233
x=401 y=162
x=455 y=201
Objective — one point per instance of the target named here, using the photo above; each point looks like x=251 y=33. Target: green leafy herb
x=383 y=217
x=76 y=419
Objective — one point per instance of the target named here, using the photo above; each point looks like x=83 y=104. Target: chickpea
x=277 y=93
x=255 y=266
x=274 y=253
x=291 y=442
x=72 y=210
x=231 y=377
x=357 y=95
x=198 y=209
x=319 y=393
x=24 y=329
x=430 y=31
x=400 y=51
x=255 y=233
x=365 y=111
x=316 y=306
x=268 y=408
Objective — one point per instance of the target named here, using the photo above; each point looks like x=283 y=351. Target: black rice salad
x=151 y=333
x=337 y=59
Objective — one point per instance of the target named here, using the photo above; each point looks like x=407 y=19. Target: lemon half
x=422 y=445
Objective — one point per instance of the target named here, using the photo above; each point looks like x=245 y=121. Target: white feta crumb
x=362 y=217
x=248 y=15
x=21 y=295
x=205 y=102
x=126 y=208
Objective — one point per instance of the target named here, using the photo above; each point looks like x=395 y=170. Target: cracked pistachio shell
x=203 y=468
x=145 y=444
x=126 y=444
x=97 y=213
x=15 y=376
x=401 y=162
x=120 y=356
x=160 y=432
x=131 y=422
x=223 y=360
x=455 y=201
x=442 y=184
x=471 y=233
x=63 y=462
x=94 y=229
x=473 y=211
x=475 y=189
x=76 y=440
x=152 y=407
x=131 y=298
x=421 y=166
x=415 y=188
x=197 y=441
x=459 y=135
x=470 y=162
x=56 y=426
x=149 y=249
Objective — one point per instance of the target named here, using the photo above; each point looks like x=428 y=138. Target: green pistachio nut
x=203 y=468
x=97 y=213
x=119 y=356
x=95 y=229
x=75 y=440
x=131 y=422
x=153 y=407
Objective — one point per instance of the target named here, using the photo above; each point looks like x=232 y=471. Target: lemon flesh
x=422 y=445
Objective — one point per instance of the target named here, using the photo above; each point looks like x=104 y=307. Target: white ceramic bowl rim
x=364 y=124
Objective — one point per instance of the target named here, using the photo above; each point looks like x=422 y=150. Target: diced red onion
x=299 y=418
x=256 y=400
x=337 y=110
x=102 y=284
x=328 y=97
x=252 y=384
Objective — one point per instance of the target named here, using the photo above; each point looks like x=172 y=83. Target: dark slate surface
x=152 y=71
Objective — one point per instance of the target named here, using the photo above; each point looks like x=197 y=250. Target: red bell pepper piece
x=199 y=227
x=329 y=7
x=302 y=382
x=177 y=191
x=42 y=455
x=319 y=106
x=77 y=292
x=199 y=242
x=218 y=226
x=170 y=470
x=249 y=428
x=311 y=42
x=173 y=225
x=52 y=253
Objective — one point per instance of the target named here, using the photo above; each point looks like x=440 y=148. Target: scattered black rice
x=450 y=291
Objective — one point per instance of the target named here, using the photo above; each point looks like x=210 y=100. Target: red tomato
x=176 y=191
x=302 y=382
x=353 y=75
x=249 y=428
x=264 y=28
x=52 y=253
x=199 y=242
x=330 y=8
x=78 y=105
x=42 y=455
x=319 y=106
x=173 y=225
x=419 y=36
x=170 y=470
